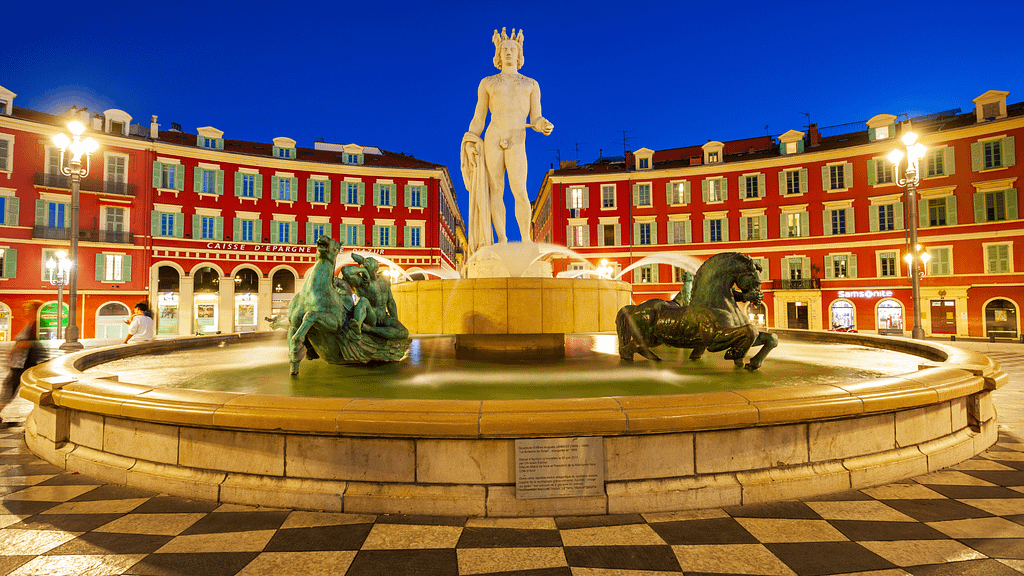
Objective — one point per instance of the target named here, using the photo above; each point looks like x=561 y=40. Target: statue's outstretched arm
x=537 y=119
x=476 y=126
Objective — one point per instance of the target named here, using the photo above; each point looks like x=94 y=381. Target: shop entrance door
x=943 y=316
x=1001 y=319
x=796 y=315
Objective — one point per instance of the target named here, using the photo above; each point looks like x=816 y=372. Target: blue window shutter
x=179 y=225
x=154 y=223
x=238 y=183
x=101 y=267
x=220 y=182
x=158 y=172
x=10 y=263
x=273 y=187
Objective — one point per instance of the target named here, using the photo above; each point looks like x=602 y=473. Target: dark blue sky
x=403 y=75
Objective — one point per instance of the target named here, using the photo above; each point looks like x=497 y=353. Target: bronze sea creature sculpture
x=325 y=321
x=707 y=319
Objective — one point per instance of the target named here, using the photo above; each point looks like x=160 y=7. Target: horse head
x=727 y=269
x=327 y=248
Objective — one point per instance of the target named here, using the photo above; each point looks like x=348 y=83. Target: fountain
x=654 y=450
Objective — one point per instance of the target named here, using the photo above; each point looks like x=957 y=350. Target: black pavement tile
x=113 y=492
x=865 y=530
x=1015 y=464
x=404 y=563
x=564 y=571
x=9 y=564
x=70 y=479
x=999 y=477
x=570 y=522
x=38 y=468
x=974 y=492
x=220 y=522
x=66 y=522
x=111 y=543
x=847 y=496
x=421 y=520
x=786 y=510
x=966 y=568
x=320 y=538
x=818 y=558
x=175 y=505
x=1010 y=548
x=1018 y=518
x=508 y=538
x=711 y=531
x=19 y=459
x=932 y=510
x=193 y=564
x=25 y=507
x=656 y=558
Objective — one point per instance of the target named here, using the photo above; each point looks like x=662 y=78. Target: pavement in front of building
x=967 y=520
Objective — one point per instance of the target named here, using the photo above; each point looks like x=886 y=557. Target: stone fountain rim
x=945 y=373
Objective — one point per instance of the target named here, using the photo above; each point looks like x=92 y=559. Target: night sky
x=403 y=75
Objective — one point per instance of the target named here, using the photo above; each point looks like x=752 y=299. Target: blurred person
x=27 y=352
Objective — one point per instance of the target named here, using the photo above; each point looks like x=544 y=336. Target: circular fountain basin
x=660 y=451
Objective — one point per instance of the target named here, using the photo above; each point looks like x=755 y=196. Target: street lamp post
x=60 y=270
x=915 y=152
x=75 y=171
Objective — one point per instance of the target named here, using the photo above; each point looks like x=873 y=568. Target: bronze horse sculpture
x=710 y=319
x=326 y=321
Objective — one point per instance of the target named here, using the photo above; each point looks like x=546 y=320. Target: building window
x=715 y=230
x=576 y=200
x=169 y=176
x=353 y=193
x=753 y=228
x=284 y=152
x=793 y=182
x=384 y=197
x=839 y=264
x=207 y=228
x=167 y=222
x=608 y=233
x=939 y=264
x=886 y=217
x=284 y=189
x=793 y=225
x=881 y=133
x=883 y=172
x=937 y=212
x=210 y=143
x=796 y=266
x=837 y=178
x=113 y=219
x=352 y=235
x=643 y=195
x=248 y=185
x=318 y=231
x=55 y=212
x=384 y=235
x=415 y=236
x=284 y=232
x=352 y=158
x=993 y=151
x=608 y=196
x=319 y=189
x=934 y=163
x=887 y=262
x=578 y=236
x=645 y=233
x=116 y=169
x=415 y=196
x=645 y=163
x=713 y=157
x=208 y=183
x=5 y=155
x=246 y=231
x=112 y=268
x=998 y=257
x=839 y=221
x=995 y=206
x=716 y=190
x=751 y=186
x=646 y=275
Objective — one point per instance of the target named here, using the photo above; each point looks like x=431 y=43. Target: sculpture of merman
x=326 y=322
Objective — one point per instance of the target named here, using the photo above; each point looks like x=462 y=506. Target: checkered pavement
x=967 y=520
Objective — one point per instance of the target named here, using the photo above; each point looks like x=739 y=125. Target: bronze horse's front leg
x=767 y=341
x=297 y=336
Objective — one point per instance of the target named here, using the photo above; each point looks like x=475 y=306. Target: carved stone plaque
x=559 y=467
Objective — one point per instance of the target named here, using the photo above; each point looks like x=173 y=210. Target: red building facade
x=823 y=215
x=215 y=233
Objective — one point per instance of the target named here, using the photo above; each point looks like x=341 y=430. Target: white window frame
x=106 y=174
x=614 y=200
x=716 y=196
x=9 y=165
x=650 y=194
x=878 y=263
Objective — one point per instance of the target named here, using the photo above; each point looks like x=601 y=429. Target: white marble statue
x=510 y=97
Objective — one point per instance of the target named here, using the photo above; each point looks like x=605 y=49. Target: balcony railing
x=84 y=235
x=802 y=284
x=87 y=184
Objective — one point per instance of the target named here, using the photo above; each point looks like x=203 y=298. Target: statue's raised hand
x=544 y=126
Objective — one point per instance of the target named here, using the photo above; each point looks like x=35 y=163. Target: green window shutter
x=362 y=195
x=784 y=269
x=393 y=236
x=707 y=230
x=408 y=195
x=871 y=134
x=40 y=212
x=179 y=225
x=1009 y=155
x=951 y=218
x=158 y=171
x=1011 y=204
x=636 y=233
x=871 y=172
x=704 y=190
x=309 y=190
x=783 y=226
x=805 y=219
x=686 y=192
x=829 y=268
x=851 y=266
x=848 y=175
x=101 y=267
x=761 y=192
x=327 y=191
x=295 y=188
x=293 y=233
x=154 y=223
x=257 y=231
x=654 y=273
x=689 y=232
x=743 y=228
x=922 y=214
x=782 y=182
x=10 y=263
x=800 y=145
x=668 y=194
x=979 y=207
x=238 y=184
x=725 y=188
x=199 y=139
x=197 y=180
x=273 y=231
x=976 y=157
x=654 y=234
x=805 y=267
x=126 y=268
x=11 y=217
x=220 y=143
x=328 y=229
x=873 y=217
x=220 y=182
x=236 y=229
x=219 y=228
x=309 y=233
x=375 y=231
x=424 y=193
x=259 y=185
x=851 y=228
x=197 y=223
x=826 y=219
x=274 y=151
x=948 y=161
x=636 y=195
x=725 y=229
x=764 y=228
x=993 y=259
x=376 y=196
x=898 y=216
x=825 y=180
x=273 y=187
x=406 y=241
x=361 y=159
x=803 y=180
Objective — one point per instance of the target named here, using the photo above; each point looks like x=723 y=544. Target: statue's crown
x=498 y=39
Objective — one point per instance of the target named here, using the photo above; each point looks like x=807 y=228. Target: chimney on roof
x=154 y=128
x=696 y=161
x=566 y=164
x=600 y=154
x=97 y=122
x=813 y=135
x=175 y=127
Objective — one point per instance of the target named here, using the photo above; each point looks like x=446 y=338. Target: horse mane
x=721 y=264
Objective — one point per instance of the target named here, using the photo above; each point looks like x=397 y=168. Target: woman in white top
x=140 y=327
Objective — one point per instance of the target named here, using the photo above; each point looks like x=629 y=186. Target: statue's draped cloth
x=474 y=176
